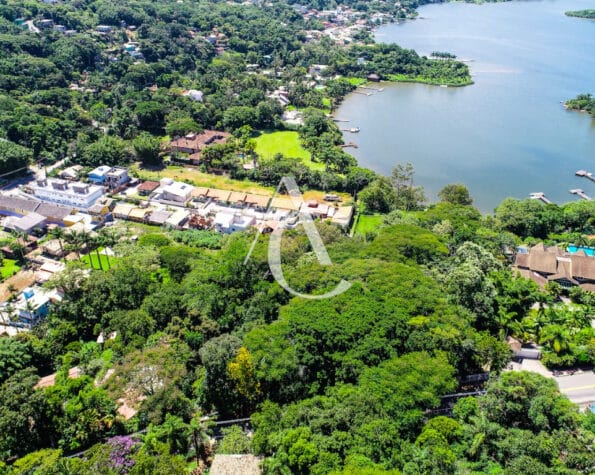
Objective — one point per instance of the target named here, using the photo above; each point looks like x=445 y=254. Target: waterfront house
x=544 y=264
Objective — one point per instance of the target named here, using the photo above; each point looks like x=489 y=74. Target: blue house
x=99 y=175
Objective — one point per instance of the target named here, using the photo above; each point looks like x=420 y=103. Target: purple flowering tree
x=122 y=449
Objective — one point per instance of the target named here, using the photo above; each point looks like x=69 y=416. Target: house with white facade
x=76 y=194
x=177 y=191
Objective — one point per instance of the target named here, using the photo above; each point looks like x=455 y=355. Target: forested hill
x=70 y=72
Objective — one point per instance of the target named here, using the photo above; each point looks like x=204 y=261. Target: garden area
x=286 y=142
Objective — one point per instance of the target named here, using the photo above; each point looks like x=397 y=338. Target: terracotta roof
x=199 y=192
x=236 y=197
x=220 y=195
x=196 y=142
x=148 y=186
x=260 y=201
x=284 y=203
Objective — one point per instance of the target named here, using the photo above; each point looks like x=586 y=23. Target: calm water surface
x=506 y=135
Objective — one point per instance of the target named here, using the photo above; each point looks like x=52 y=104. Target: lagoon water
x=506 y=135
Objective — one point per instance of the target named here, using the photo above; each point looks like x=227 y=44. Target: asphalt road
x=579 y=387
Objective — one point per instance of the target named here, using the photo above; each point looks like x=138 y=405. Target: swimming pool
x=589 y=251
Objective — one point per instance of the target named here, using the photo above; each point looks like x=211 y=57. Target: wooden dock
x=541 y=197
x=585 y=174
x=580 y=193
x=375 y=89
x=349 y=144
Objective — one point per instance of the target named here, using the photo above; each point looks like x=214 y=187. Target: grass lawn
x=9 y=268
x=198 y=178
x=287 y=142
x=368 y=223
x=92 y=261
x=357 y=81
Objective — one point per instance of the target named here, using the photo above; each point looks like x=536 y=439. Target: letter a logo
x=274 y=254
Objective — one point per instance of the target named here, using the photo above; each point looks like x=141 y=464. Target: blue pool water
x=589 y=251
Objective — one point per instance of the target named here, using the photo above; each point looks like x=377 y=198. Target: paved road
x=579 y=387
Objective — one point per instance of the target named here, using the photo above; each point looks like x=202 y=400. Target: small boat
x=354 y=130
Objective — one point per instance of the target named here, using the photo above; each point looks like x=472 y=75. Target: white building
x=226 y=222
x=30 y=308
x=177 y=191
x=194 y=94
x=76 y=194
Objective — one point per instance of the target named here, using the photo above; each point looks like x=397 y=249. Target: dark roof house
x=544 y=264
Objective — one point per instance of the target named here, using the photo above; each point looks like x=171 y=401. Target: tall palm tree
x=97 y=242
x=12 y=290
x=110 y=238
x=85 y=240
x=557 y=337
x=523 y=330
x=72 y=238
x=201 y=427
x=581 y=241
x=18 y=248
x=59 y=234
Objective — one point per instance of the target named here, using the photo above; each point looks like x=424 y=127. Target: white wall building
x=76 y=194
x=177 y=191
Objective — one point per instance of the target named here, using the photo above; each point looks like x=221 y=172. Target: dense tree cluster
x=582 y=102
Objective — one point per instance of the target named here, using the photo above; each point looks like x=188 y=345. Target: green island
x=590 y=14
x=133 y=343
x=583 y=103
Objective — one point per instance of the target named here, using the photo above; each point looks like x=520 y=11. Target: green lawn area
x=9 y=268
x=198 y=178
x=357 y=81
x=287 y=142
x=92 y=261
x=368 y=223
